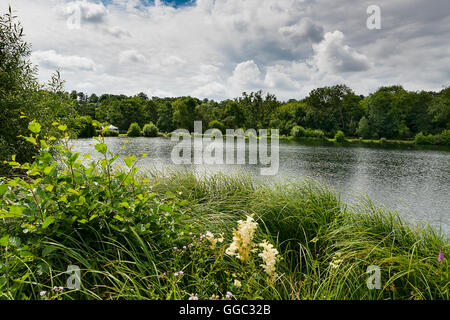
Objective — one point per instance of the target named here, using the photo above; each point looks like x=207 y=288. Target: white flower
x=269 y=256
x=243 y=239
x=237 y=283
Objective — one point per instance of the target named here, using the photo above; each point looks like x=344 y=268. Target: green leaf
x=101 y=147
x=3 y=189
x=62 y=127
x=121 y=219
x=48 y=221
x=166 y=208
x=34 y=127
x=48 y=249
x=30 y=139
x=4 y=241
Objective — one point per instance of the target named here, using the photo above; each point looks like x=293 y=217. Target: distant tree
x=184 y=113
x=150 y=130
x=165 y=116
x=364 y=128
x=134 y=130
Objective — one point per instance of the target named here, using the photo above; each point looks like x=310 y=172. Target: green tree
x=364 y=128
x=134 y=130
x=184 y=113
x=150 y=130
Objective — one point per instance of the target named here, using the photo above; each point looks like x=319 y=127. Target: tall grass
x=325 y=245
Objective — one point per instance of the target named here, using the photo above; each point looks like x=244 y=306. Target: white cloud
x=332 y=54
x=51 y=60
x=246 y=75
x=89 y=12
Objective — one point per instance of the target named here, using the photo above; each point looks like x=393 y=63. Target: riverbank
x=349 y=142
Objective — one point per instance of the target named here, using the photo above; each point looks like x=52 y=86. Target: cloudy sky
x=220 y=48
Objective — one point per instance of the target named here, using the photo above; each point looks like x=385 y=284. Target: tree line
x=390 y=112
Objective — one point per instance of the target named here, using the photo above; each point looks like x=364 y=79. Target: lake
x=416 y=183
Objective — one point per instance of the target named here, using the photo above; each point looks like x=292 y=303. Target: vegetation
x=134 y=130
x=21 y=93
x=340 y=136
x=167 y=236
x=390 y=112
x=150 y=130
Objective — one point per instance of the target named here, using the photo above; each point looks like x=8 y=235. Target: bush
x=298 y=131
x=134 y=130
x=422 y=139
x=314 y=133
x=339 y=136
x=445 y=137
x=150 y=130
x=382 y=140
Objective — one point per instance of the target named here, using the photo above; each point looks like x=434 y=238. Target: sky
x=218 y=49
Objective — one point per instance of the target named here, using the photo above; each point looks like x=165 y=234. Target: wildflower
x=176 y=274
x=441 y=256
x=193 y=297
x=184 y=247
x=175 y=248
x=55 y=288
x=42 y=293
x=237 y=283
x=210 y=237
x=269 y=256
x=214 y=297
x=243 y=239
x=228 y=295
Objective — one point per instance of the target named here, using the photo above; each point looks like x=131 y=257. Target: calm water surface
x=416 y=183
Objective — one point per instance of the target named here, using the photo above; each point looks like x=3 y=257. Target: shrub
x=422 y=139
x=150 y=130
x=298 y=131
x=134 y=130
x=383 y=140
x=445 y=137
x=339 y=136
x=315 y=133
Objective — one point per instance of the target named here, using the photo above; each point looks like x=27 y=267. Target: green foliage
x=298 y=132
x=423 y=139
x=150 y=130
x=340 y=136
x=445 y=137
x=21 y=93
x=217 y=125
x=364 y=128
x=134 y=130
x=84 y=127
